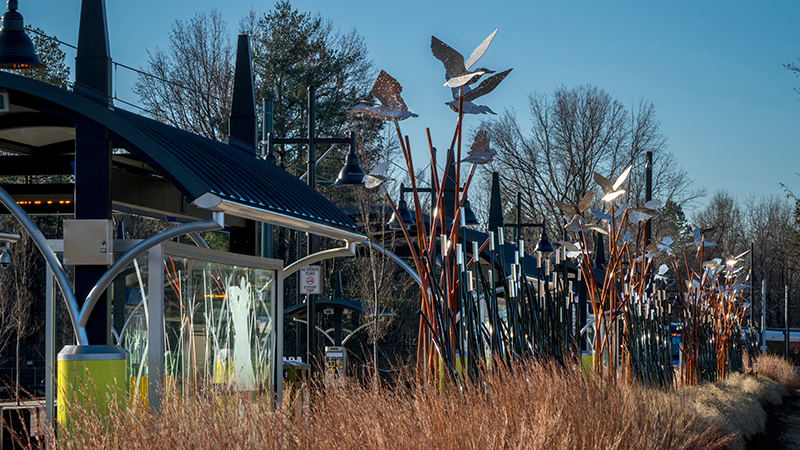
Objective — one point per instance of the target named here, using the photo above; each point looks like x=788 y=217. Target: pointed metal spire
x=243 y=128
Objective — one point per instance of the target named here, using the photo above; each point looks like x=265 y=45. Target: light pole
x=311 y=140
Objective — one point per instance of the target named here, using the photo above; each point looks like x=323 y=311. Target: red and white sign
x=310 y=282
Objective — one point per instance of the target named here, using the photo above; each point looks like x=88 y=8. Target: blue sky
x=713 y=69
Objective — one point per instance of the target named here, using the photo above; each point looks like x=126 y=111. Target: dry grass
x=778 y=369
x=736 y=405
x=538 y=407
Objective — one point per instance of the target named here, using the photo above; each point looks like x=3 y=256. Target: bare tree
x=795 y=69
x=193 y=77
x=574 y=133
x=16 y=301
x=725 y=216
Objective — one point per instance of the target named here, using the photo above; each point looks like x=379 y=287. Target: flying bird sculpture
x=662 y=271
x=655 y=248
x=650 y=210
x=731 y=260
x=571 y=249
x=453 y=61
x=575 y=225
x=699 y=237
x=582 y=205
x=387 y=90
x=611 y=190
x=479 y=151
x=468 y=94
x=377 y=176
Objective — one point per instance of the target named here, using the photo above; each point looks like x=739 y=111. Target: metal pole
x=752 y=282
x=266 y=128
x=311 y=303
x=50 y=343
x=763 y=317
x=648 y=193
x=519 y=217
x=786 y=323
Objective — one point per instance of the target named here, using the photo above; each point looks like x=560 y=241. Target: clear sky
x=713 y=69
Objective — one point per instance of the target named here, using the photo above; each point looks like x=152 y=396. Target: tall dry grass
x=735 y=405
x=778 y=369
x=538 y=407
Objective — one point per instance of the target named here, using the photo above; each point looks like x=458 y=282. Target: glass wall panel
x=218 y=323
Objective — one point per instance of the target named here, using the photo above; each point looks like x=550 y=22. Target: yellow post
x=89 y=378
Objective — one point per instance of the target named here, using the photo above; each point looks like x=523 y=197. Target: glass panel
x=129 y=294
x=218 y=323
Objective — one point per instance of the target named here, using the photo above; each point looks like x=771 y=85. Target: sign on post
x=310 y=282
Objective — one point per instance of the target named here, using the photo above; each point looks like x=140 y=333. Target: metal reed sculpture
x=477 y=311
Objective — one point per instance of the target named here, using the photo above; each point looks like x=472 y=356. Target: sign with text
x=310 y=282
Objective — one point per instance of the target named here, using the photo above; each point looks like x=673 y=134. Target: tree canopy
x=572 y=134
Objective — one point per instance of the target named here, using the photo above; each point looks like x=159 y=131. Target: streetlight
x=405 y=213
x=16 y=48
x=311 y=141
x=544 y=245
x=351 y=174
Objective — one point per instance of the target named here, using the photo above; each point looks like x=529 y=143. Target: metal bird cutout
x=650 y=210
x=611 y=190
x=479 y=151
x=454 y=64
x=582 y=206
x=486 y=86
x=699 y=238
x=387 y=90
x=377 y=176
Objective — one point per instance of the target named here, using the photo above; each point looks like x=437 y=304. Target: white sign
x=310 y=282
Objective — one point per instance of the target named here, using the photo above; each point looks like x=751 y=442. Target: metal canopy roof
x=212 y=175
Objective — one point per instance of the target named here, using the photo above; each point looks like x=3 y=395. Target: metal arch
x=399 y=261
x=349 y=250
x=318 y=329
x=52 y=261
x=218 y=222
x=344 y=341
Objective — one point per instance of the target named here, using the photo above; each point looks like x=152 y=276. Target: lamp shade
x=469 y=215
x=351 y=174
x=16 y=48
x=544 y=245
x=405 y=214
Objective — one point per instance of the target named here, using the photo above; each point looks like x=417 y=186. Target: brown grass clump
x=537 y=407
x=778 y=369
x=736 y=405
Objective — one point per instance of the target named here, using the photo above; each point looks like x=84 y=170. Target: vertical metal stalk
x=786 y=322
x=266 y=128
x=311 y=303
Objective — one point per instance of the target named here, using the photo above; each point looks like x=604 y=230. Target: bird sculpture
x=662 y=271
x=582 y=205
x=699 y=237
x=650 y=210
x=377 y=176
x=453 y=61
x=571 y=249
x=387 y=90
x=611 y=190
x=655 y=248
x=731 y=260
x=479 y=151
x=468 y=94
x=575 y=224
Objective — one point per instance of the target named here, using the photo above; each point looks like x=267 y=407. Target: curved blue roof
x=211 y=174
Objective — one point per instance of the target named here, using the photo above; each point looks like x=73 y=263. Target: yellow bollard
x=89 y=378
